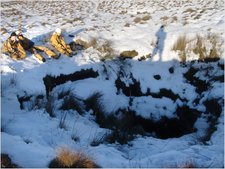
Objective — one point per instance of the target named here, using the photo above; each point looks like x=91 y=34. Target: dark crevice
x=221 y=66
x=23 y=99
x=199 y=84
x=134 y=89
x=213 y=110
x=52 y=81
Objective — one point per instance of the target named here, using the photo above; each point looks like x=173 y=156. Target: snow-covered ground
x=31 y=137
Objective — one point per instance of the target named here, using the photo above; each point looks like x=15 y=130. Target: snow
x=31 y=137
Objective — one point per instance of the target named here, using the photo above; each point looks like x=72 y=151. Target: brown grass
x=68 y=159
x=200 y=47
x=137 y=20
x=180 y=44
x=128 y=54
x=174 y=18
x=85 y=44
x=164 y=18
x=146 y=17
x=190 y=10
x=214 y=40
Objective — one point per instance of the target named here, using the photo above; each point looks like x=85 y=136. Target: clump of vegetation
x=71 y=102
x=69 y=159
x=206 y=47
x=87 y=44
x=164 y=18
x=129 y=54
x=180 y=46
x=104 y=47
x=94 y=102
x=200 y=48
x=137 y=20
x=146 y=17
x=142 y=19
x=127 y=25
x=189 y=10
x=214 y=40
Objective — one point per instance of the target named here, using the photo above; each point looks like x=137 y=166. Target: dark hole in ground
x=23 y=99
x=171 y=70
x=172 y=127
x=213 y=110
x=125 y=124
x=35 y=101
x=157 y=77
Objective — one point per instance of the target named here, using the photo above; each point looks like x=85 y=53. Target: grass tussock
x=180 y=46
x=137 y=20
x=105 y=48
x=200 y=48
x=142 y=19
x=69 y=159
x=164 y=18
x=146 y=17
x=189 y=10
x=71 y=102
x=207 y=47
x=85 y=44
x=94 y=102
x=128 y=54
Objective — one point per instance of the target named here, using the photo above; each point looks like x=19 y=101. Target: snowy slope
x=157 y=88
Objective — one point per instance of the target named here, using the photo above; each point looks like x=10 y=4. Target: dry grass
x=180 y=44
x=104 y=47
x=197 y=17
x=137 y=20
x=214 y=40
x=146 y=17
x=127 y=25
x=68 y=159
x=164 y=18
x=174 y=18
x=206 y=47
x=85 y=44
x=128 y=54
x=189 y=10
x=200 y=48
